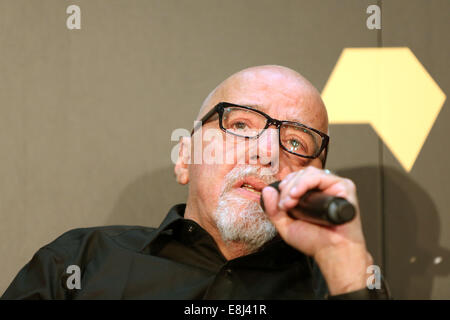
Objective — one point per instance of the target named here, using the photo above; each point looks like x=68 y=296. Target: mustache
x=241 y=172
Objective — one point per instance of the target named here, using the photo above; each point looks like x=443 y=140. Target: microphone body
x=319 y=208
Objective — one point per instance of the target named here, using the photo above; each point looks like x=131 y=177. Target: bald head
x=271 y=85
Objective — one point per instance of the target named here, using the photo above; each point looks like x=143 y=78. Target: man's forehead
x=307 y=115
x=304 y=108
x=264 y=81
x=276 y=90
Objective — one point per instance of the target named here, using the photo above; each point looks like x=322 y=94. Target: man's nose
x=265 y=149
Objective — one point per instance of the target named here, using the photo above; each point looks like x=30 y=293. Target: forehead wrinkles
x=311 y=112
x=292 y=102
x=285 y=92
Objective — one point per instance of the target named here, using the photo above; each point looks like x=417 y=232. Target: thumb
x=279 y=218
x=297 y=233
x=270 y=197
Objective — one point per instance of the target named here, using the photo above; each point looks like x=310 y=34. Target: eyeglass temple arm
x=204 y=119
x=324 y=160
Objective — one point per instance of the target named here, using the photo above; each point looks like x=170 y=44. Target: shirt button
x=190 y=228
x=228 y=272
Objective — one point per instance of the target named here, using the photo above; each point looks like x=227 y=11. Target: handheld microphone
x=319 y=208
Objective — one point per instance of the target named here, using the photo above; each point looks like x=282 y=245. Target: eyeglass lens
x=247 y=123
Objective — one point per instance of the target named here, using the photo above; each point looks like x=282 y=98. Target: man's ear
x=184 y=157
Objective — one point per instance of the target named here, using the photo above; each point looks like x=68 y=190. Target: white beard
x=242 y=220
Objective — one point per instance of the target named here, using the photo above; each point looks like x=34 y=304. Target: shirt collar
x=273 y=254
x=176 y=214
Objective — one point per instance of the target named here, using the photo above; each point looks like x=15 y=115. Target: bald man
x=271 y=122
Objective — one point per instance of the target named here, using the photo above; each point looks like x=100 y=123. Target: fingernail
x=281 y=204
x=293 y=191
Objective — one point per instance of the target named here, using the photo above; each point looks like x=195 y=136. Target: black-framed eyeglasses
x=249 y=123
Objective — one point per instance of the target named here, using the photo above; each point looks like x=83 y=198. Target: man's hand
x=340 y=251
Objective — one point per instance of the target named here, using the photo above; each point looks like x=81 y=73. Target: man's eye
x=239 y=125
x=297 y=146
x=294 y=144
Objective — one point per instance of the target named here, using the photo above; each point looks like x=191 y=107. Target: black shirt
x=178 y=260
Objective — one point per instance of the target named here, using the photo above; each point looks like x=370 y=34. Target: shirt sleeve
x=366 y=294
x=321 y=289
x=39 y=279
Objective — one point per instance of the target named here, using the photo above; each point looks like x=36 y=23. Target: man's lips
x=250 y=187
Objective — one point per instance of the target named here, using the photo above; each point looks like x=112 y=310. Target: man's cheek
x=212 y=180
x=213 y=147
x=227 y=149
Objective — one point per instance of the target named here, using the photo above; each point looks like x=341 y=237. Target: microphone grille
x=341 y=211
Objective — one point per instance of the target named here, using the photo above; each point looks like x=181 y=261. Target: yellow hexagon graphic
x=389 y=89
